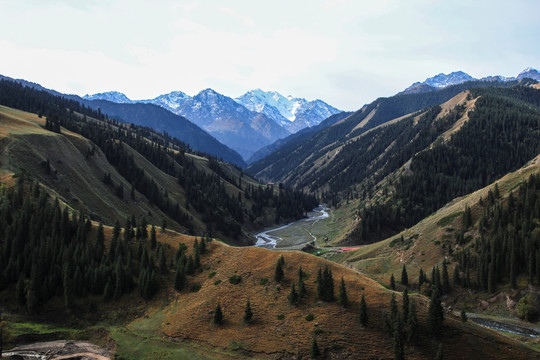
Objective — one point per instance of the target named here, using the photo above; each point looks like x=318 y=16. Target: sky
x=344 y=52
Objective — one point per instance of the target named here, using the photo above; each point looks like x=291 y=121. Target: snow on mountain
x=529 y=73
x=442 y=80
x=292 y=113
x=170 y=101
x=230 y=122
x=113 y=96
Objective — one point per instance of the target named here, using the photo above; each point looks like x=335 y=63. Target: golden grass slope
x=280 y=330
x=75 y=179
x=380 y=260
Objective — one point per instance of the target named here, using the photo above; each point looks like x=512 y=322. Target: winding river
x=292 y=235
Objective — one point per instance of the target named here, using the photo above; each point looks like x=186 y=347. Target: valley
x=124 y=236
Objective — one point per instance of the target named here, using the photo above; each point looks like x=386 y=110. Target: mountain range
x=445 y=180
x=245 y=124
x=441 y=80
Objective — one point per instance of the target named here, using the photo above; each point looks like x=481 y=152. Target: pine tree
x=412 y=324
x=68 y=287
x=405 y=305
x=456 y=279
x=179 y=277
x=218 y=315
x=399 y=352
x=445 y=279
x=248 y=313
x=320 y=285
x=328 y=284
x=278 y=274
x=293 y=296
x=404 y=276
x=314 y=351
x=21 y=300
x=153 y=240
x=394 y=312
x=463 y=316
x=421 y=278
x=108 y=291
x=435 y=313
x=392 y=282
x=343 y=300
x=301 y=285
x=362 y=312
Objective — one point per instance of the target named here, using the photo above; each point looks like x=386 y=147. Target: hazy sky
x=347 y=53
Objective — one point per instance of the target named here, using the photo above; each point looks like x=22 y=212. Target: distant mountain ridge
x=245 y=124
x=441 y=80
x=294 y=114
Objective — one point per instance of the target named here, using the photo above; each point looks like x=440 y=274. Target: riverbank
x=297 y=234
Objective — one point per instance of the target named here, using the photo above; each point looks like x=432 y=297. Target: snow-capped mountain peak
x=529 y=73
x=113 y=96
x=292 y=113
x=443 y=80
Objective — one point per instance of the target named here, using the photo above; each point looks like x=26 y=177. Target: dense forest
x=501 y=135
x=48 y=252
x=508 y=245
x=294 y=159
x=204 y=191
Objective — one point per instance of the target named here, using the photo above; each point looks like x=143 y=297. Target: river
x=293 y=235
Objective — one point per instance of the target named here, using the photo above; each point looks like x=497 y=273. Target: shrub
x=280 y=317
x=217 y=282
x=195 y=287
x=235 y=279
x=212 y=274
x=529 y=307
x=264 y=281
x=310 y=317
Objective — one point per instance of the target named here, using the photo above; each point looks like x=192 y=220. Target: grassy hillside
x=73 y=177
x=91 y=161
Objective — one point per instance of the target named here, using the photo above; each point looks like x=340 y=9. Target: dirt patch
x=61 y=349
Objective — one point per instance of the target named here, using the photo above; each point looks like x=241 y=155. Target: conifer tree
x=463 y=316
x=179 y=277
x=456 y=279
x=343 y=300
x=108 y=291
x=320 y=285
x=314 y=351
x=435 y=313
x=21 y=300
x=412 y=324
x=399 y=352
x=394 y=312
x=301 y=284
x=392 y=282
x=404 y=276
x=153 y=237
x=421 y=278
x=218 y=315
x=328 y=284
x=248 y=313
x=68 y=287
x=405 y=305
x=278 y=274
x=293 y=296
x=445 y=279
x=362 y=312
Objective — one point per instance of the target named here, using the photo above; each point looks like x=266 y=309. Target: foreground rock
x=56 y=350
